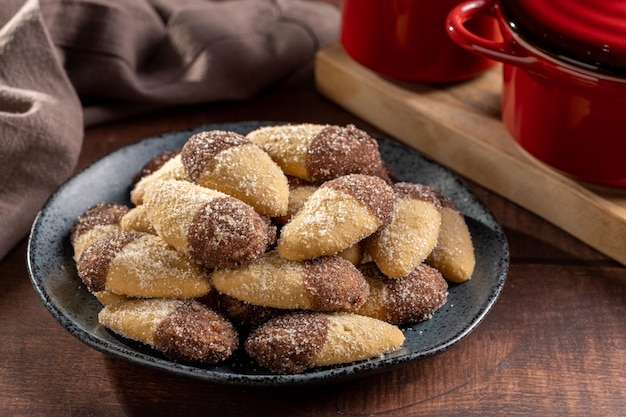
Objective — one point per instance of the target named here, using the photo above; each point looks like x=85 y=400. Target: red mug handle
x=507 y=50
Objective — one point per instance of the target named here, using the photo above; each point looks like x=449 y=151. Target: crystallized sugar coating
x=137 y=319
x=182 y=330
x=368 y=191
x=404 y=243
x=171 y=206
x=216 y=230
x=333 y=283
x=138 y=264
x=288 y=145
x=320 y=153
x=337 y=151
x=95 y=261
x=299 y=191
x=288 y=343
x=97 y=221
x=231 y=163
x=101 y=214
x=323 y=284
x=454 y=253
x=227 y=233
x=299 y=341
x=154 y=164
x=196 y=333
x=137 y=219
x=172 y=169
x=340 y=213
x=410 y=299
x=353 y=337
x=204 y=146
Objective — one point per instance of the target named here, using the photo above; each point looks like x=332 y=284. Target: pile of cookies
x=292 y=242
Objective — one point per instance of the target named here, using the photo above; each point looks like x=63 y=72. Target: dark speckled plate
x=54 y=276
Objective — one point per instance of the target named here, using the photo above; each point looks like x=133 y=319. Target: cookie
x=299 y=341
x=454 y=253
x=338 y=215
x=137 y=219
x=154 y=164
x=243 y=314
x=319 y=153
x=231 y=163
x=354 y=254
x=408 y=239
x=413 y=298
x=97 y=221
x=214 y=229
x=323 y=284
x=138 y=264
x=172 y=169
x=299 y=191
x=183 y=330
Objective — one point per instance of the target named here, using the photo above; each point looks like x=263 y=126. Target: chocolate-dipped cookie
x=338 y=215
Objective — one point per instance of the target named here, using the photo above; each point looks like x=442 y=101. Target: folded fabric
x=66 y=64
x=40 y=123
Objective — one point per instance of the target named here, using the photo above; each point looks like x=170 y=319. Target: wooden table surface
x=554 y=344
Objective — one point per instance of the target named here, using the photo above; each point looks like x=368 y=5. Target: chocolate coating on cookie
x=204 y=146
x=370 y=191
x=95 y=261
x=287 y=343
x=246 y=314
x=410 y=299
x=418 y=192
x=99 y=215
x=153 y=165
x=228 y=233
x=194 y=332
x=346 y=291
x=338 y=151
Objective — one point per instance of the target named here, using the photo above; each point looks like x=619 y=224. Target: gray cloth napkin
x=66 y=64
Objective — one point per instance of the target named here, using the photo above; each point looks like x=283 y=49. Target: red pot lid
x=590 y=33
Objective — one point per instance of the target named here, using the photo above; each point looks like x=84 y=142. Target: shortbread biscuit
x=354 y=253
x=97 y=221
x=299 y=191
x=454 y=254
x=339 y=214
x=413 y=298
x=296 y=342
x=323 y=284
x=154 y=164
x=183 y=330
x=403 y=244
x=138 y=264
x=231 y=163
x=137 y=219
x=319 y=153
x=214 y=229
x=172 y=169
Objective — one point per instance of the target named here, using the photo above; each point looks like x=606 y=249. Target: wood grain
x=459 y=126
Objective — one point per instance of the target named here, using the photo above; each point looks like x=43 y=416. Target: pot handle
x=507 y=50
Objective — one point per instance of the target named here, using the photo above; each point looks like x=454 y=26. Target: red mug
x=407 y=40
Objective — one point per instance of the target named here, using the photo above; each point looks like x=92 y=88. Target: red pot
x=564 y=79
x=407 y=40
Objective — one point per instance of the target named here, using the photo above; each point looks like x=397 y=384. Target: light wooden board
x=459 y=126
